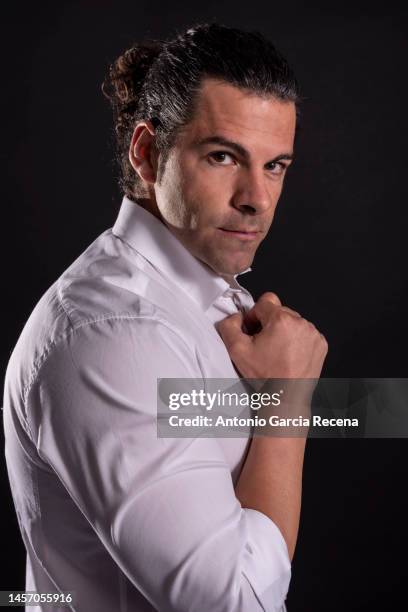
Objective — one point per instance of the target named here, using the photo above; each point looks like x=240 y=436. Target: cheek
x=208 y=191
x=193 y=194
x=170 y=195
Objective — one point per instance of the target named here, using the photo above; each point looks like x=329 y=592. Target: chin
x=233 y=268
x=226 y=265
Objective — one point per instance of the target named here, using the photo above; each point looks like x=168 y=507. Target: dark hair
x=159 y=80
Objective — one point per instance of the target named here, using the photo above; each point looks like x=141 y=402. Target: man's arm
x=271 y=482
x=165 y=509
x=286 y=346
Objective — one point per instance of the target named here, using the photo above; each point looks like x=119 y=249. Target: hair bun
x=127 y=74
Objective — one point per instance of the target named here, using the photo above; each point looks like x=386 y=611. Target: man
x=123 y=519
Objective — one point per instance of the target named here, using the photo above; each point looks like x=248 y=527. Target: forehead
x=223 y=109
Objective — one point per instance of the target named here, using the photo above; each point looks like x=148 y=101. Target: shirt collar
x=154 y=241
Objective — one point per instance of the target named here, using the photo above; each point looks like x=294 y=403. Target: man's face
x=223 y=177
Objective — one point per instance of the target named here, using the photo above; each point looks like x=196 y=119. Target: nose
x=253 y=195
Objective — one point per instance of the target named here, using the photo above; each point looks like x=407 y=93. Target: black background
x=336 y=251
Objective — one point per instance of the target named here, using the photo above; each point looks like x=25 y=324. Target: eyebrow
x=238 y=148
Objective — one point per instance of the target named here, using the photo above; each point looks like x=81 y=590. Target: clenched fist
x=279 y=343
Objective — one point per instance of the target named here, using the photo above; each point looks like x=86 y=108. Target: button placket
x=238 y=302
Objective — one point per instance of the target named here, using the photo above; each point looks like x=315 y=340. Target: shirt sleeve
x=164 y=508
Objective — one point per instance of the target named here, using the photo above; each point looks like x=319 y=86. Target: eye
x=222 y=158
x=276 y=167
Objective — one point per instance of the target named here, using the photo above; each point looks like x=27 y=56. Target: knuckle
x=301 y=323
x=291 y=311
x=222 y=328
x=280 y=315
x=227 y=321
x=324 y=343
x=285 y=318
x=220 y=324
x=312 y=327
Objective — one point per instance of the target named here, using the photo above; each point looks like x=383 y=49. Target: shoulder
x=110 y=279
x=107 y=300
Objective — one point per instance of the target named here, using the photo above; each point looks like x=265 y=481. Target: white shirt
x=128 y=521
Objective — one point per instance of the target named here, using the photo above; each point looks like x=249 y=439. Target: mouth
x=241 y=234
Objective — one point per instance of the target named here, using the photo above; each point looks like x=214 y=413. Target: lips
x=239 y=230
x=238 y=233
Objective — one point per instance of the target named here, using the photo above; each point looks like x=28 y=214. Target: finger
x=269 y=296
x=230 y=329
x=260 y=312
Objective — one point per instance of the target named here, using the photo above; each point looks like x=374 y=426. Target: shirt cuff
x=266 y=563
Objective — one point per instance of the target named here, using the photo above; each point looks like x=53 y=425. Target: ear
x=142 y=154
